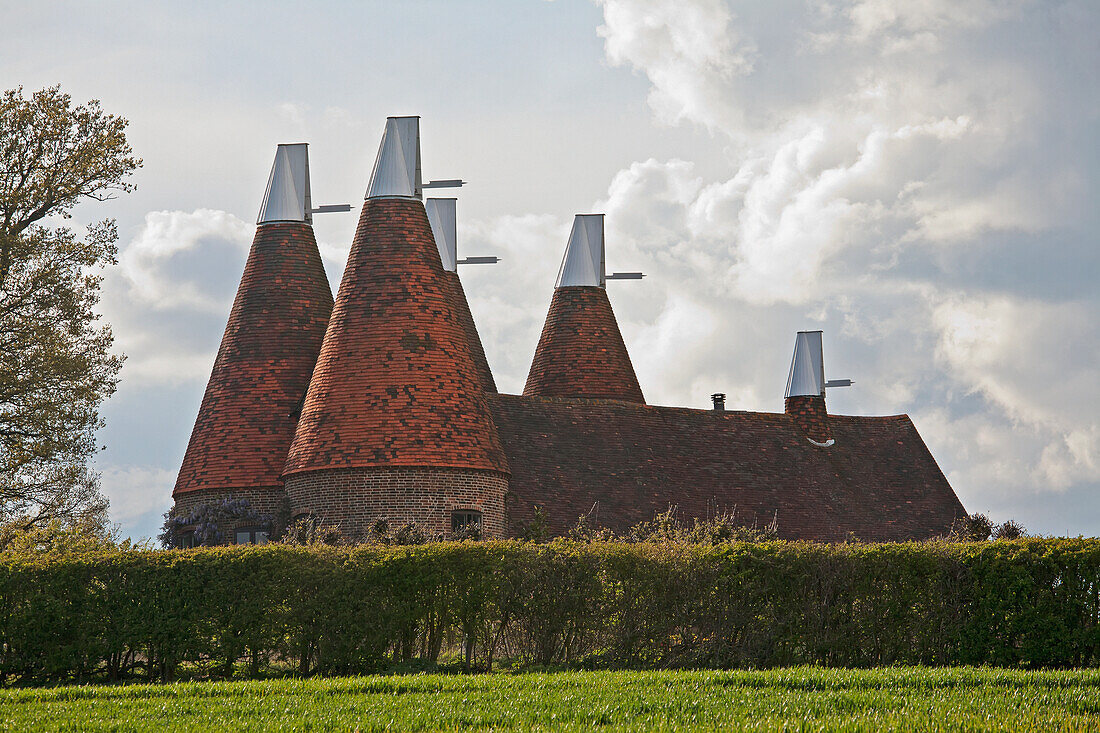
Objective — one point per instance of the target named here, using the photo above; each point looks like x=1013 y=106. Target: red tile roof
x=581 y=352
x=395 y=384
x=244 y=426
x=456 y=297
x=878 y=481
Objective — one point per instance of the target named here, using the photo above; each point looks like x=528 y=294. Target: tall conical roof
x=395 y=384
x=247 y=418
x=443 y=219
x=456 y=298
x=581 y=352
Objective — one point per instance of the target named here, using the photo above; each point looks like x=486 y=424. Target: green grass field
x=807 y=699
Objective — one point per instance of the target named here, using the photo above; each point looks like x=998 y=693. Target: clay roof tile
x=395 y=383
x=247 y=417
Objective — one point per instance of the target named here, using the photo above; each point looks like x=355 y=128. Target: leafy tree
x=56 y=365
x=87 y=533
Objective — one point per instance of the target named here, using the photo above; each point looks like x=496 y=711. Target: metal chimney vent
x=443 y=218
x=396 y=170
x=807 y=376
x=583 y=263
x=287 y=196
x=719 y=400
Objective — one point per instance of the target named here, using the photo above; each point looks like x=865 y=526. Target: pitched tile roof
x=581 y=352
x=244 y=426
x=395 y=384
x=878 y=481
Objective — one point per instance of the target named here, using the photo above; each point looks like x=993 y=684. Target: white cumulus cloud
x=895 y=171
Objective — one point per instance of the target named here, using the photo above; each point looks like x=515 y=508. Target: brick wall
x=355 y=498
x=269 y=500
x=808 y=414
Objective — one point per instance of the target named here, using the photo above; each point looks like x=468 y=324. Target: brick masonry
x=581 y=351
x=269 y=500
x=808 y=414
x=354 y=499
x=245 y=423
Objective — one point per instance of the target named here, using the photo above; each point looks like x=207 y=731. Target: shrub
x=312 y=531
x=538 y=529
x=1010 y=530
x=249 y=610
x=667 y=526
x=971 y=528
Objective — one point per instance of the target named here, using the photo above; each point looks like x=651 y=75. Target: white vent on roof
x=287 y=197
x=397 y=166
x=807 y=377
x=442 y=217
x=583 y=263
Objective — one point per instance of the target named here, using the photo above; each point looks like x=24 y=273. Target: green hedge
x=243 y=610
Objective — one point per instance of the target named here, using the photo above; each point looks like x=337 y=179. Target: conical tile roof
x=581 y=351
x=395 y=384
x=247 y=418
x=442 y=217
x=456 y=297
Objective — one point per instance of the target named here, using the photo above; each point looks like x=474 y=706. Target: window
x=465 y=519
x=186 y=539
x=251 y=536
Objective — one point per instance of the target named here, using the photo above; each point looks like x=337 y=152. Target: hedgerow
x=248 y=611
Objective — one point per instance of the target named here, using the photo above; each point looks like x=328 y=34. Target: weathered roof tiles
x=247 y=417
x=395 y=383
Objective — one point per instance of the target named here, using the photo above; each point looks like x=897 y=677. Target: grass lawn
x=785 y=699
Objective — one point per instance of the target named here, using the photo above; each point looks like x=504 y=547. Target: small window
x=186 y=540
x=465 y=519
x=251 y=537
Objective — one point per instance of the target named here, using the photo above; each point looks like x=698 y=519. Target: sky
x=916 y=178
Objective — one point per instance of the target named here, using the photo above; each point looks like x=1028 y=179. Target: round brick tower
x=248 y=413
x=395 y=424
x=581 y=352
